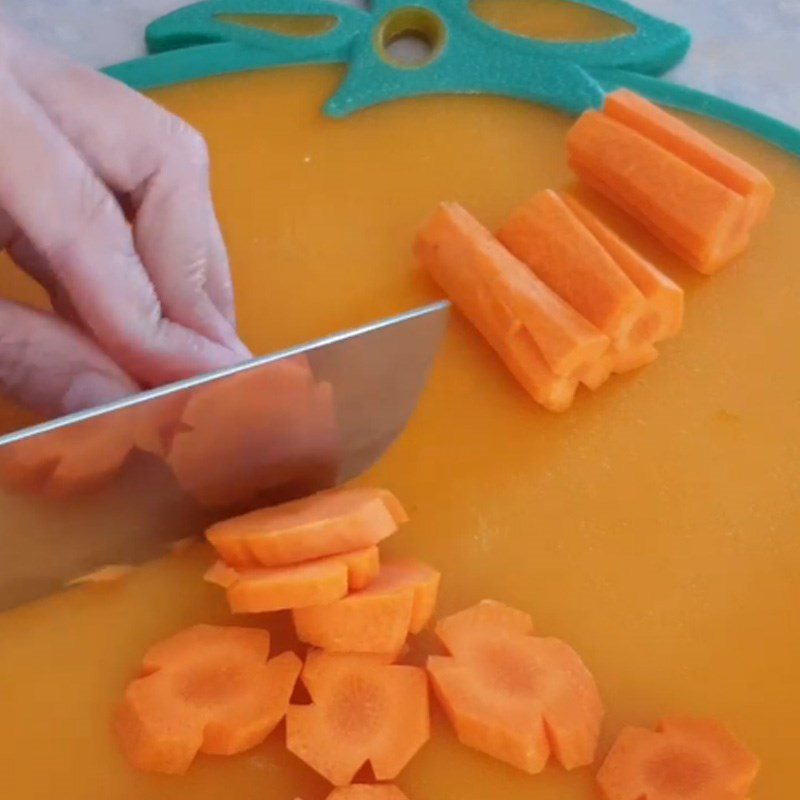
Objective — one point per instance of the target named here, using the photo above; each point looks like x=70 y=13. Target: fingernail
x=92 y=389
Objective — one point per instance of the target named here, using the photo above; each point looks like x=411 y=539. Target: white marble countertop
x=745 y=50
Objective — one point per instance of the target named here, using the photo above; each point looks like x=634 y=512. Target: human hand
x=105 y=201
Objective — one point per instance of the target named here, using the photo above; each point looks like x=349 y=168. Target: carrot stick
x=458 y=251
x=635 y=358
x=367 y=791
x=547 y=236
x=206 y=689
x=683 y=758
x=363 y=710
x=110 y=573
x=327 y=523
x=377 y=619
x=663 y=296
x=692 y=147
x=696 y=216
x=310 y=583
x=517 y=697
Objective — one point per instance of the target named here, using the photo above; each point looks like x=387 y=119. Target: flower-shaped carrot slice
x=518 y=697
x=207 y=689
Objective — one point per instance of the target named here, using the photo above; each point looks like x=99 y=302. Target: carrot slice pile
x=459 y=252
x=377 y=619
x=512 y=695
x=207 y=689
x=367 y=791
x=327 y=523
x=363 y=710
x=684 y=758
x=256 y=590
x=701 y=201
x=260 y=432
x=547 y=236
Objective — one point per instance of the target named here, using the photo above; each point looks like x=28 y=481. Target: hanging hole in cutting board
x=291 y=25
x=411 y=38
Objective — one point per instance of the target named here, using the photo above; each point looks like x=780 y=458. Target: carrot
x=377 y=619
x=696 y=216
x=684 y=758
x=256 y=433
x=69 y=461
x=363 y=710
x=327 y=523
x=663 y=296
x=157 y=422
x=110 y=573
x=458 y=251
x=207 y=689
x=298 y=586
x=512 y=695
x=692 y=147
x=635 y=358
x=367 y=791
x=547 y=236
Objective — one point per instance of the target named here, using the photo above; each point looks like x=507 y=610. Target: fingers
x=74 y=223
x=50 y=367
x=140 y=149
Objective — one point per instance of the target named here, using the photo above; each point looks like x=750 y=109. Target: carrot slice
x=547 y=236
x=696 y=216
x=690 y=145
x=367 y=791
x=362 y=710
x=634 y=358
x=110 y=573
x=298 y=586
x=514 y=696
x=157 y=422
x=256 y=433
x=457 y=250
x=663 y=296
x=327 y=523
x=206 y=689
x=377 y=619
x=683 y=758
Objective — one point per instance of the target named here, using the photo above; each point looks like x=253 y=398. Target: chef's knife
x=117 y=484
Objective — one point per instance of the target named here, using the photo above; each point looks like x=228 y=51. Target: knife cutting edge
x=118 y=483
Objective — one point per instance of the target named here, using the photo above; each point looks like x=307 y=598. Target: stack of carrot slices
x=521 y=698
x=562 y=298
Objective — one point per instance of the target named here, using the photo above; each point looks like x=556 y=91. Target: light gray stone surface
x=746 y=50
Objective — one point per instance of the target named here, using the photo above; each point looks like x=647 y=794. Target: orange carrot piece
x=515 y=696
x=327 y=523
x=663 y=296
x=683 y=758
x=298 y=586
x=206 y=689
x=362 y=710
x=502 y=331
x=699 y=218
x=367 y=791
x=690 y=145
x=157 y=422
x=458 y=251
x=377 y=619
x=110 y=573
x=547 y=236
x=256 y=434
x=635 y=358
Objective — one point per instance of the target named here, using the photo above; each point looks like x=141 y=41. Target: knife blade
x=119 y=483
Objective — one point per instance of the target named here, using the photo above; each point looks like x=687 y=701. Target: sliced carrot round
x=299 y=586
x=683 y=758
x=377 y=619
x=199 y=694
x=517 y=697
x=367 y=791
x=362 y=710
x=323 y=524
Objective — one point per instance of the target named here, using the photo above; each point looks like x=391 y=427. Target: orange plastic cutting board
x=654 y=527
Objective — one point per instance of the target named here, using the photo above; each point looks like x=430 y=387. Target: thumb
x=50 y=367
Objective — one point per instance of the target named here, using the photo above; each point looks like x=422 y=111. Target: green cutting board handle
x=468 y=55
